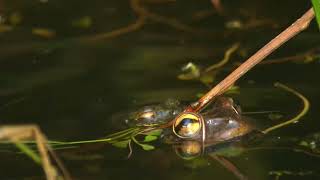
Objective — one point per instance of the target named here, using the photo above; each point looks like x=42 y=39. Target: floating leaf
x=208 y=78
x=122 y=144
x=15 y=18
x=147 y=147
x=304 y=143
x=84 y=22
x=309 y=59
x=43 y=32
x=5 y=28
x=189 y=72
x=234 y=24
x=150 y=138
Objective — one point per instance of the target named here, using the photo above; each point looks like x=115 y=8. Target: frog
x=219 y=122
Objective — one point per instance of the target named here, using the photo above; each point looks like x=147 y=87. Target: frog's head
x=221 y=121
x=190 y=125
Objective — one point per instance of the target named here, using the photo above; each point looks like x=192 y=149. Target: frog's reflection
x=191 y=149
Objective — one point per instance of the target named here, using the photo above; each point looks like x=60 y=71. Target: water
x=72 y=86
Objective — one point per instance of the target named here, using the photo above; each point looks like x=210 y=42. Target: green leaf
x=316 y=8
x=29 y=152
x=83 y=22
x=150 y=138
x=207 y=79
x=122 y=144
x=156 y=132
x=304 y=143
x=147 y=147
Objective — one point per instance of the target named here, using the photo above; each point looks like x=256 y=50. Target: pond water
x=61 y=70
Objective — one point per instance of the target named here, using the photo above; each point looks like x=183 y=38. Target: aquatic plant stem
x=229 y=166
x=296 y=118
x=30 y=153
x=299 y=25
x=225 y=59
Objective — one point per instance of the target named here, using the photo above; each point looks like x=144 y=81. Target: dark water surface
x=72 y=86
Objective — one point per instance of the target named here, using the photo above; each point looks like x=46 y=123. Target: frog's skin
x=223 y=120
x=155 y=114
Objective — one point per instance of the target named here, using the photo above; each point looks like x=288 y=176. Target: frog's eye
x=187 y=125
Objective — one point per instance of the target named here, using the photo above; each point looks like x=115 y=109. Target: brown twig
x=139 y=23
x=298 y=26
x=308 y=56
x=143 y=14
x=217 y=5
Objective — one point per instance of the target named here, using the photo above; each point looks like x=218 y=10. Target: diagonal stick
x=299 y=25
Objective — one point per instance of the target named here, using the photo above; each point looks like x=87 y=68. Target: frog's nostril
x=187 y=125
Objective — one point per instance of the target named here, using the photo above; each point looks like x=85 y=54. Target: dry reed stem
x=298 y=26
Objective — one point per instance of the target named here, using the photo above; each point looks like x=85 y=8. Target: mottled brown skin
x=224 y=121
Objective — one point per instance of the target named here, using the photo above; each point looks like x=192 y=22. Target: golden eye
x=187 y=125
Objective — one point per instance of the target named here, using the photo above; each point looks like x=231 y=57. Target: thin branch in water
x=165 y=20
x=225 y=59
x=130 y=149
x=218 y=6
x=229 y=166
x=129 y=28
x=298 y=26
x=142 y=15
x=306 y=106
